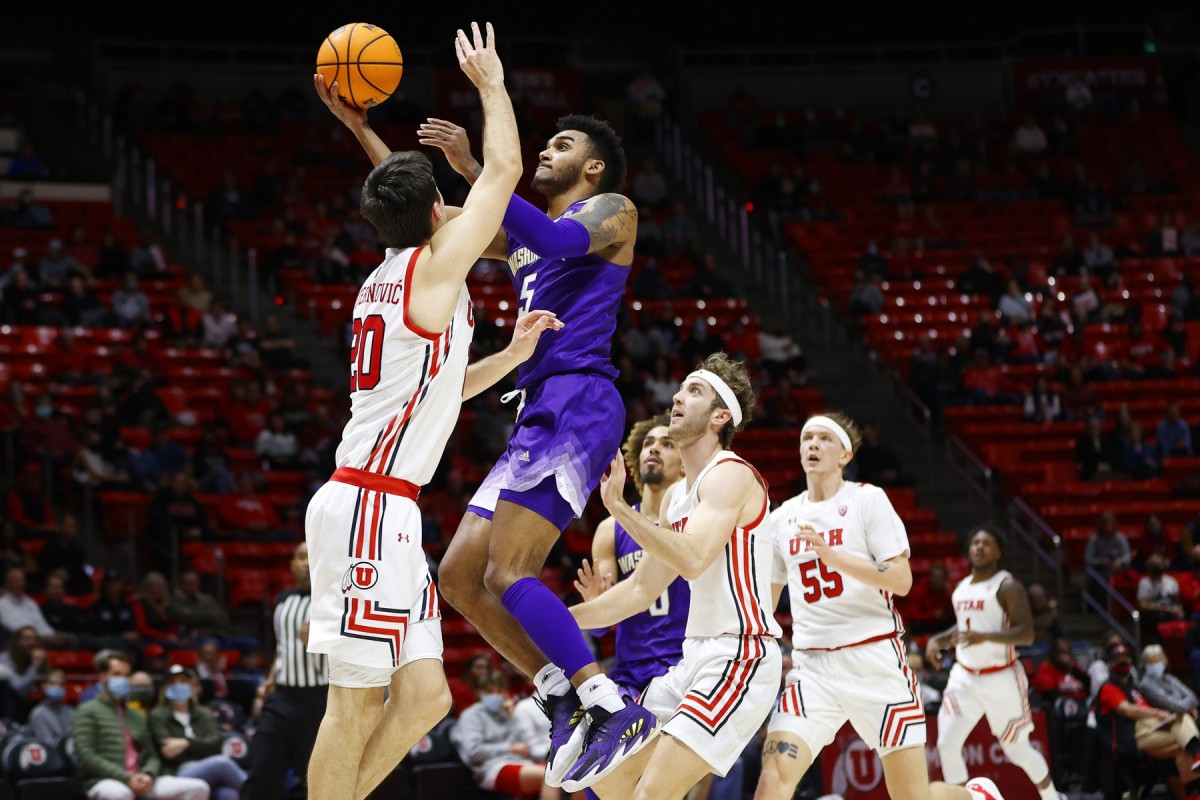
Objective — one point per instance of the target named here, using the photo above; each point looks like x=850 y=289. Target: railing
x=1094 y=578
x=1044 y=544
x=978 y=475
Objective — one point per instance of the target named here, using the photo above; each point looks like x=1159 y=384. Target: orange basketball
x=364 y=60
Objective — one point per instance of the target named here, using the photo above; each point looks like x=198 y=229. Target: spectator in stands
x=49 y=435
x=245 y=511
x=147 y=257
x=152 y=613
x=707 y=282
x=486 y=740
x=22 y=301
x=1157 y=732
x=781 y=404
x=212 y=669
x=29 y=213
x=879 y=464
x=872 y=262
x=982 y=278
x=175 y=516
x=64 y=552
x=277 y=446
x=700 y=342
x=1044 y=609
x=1107 y=553
x=26 y=164
x=742 y=343
x=92 y=468
x=649 y=283
x=1098 y=257
x=12 y=553
x=52 y=718
x=1154 y=542
x=1163 y=238
x=680 y=232
x=1042 y=403
x=247 y=410
x=468 y=689
x=57 y=266
x=1175 y=335
x=218 y=324
x=1013 y=305
x=24 y=664
x=111 y=614
x=1060 y=675
x=277 y=346
x=161 y=459
x=112 y=258
x=1098 y=670
x=1157 y=597
x=780 y=351
x=199 y=613
x=1029 y=138
x=1160 y=687
x=1173 y=434
x=985 y=383
x=211 y=465
x=189 y=738
x=928 y=608
x=139 y=406
x=1085 y=301
x=114 y=752
x=130 y=305
x=1139 y=458
x=866 y=296
x=29 y=505
x=649 y=187
x=18 y=610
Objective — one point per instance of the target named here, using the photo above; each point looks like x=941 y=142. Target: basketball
x=364 y=60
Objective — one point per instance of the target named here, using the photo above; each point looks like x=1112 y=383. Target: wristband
x=546 y=237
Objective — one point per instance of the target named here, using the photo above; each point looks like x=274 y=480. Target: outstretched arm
x=485 y=373
x=353 y=118
x=631 y=596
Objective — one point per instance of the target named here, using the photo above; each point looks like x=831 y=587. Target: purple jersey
x=585 y=292
x=653 y=638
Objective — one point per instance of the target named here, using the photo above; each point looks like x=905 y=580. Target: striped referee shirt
x=294 y=665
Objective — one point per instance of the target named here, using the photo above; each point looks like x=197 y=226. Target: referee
x=293 y=695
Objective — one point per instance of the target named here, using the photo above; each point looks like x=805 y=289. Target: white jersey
x=406 y=383
x=977 y=608
x=831 y=610
x=732 y=597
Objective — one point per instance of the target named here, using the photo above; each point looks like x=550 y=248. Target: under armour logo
x=402 y=538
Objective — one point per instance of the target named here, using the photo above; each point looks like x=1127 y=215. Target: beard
x=684 y=429
x=553 y=183
x=652 y=476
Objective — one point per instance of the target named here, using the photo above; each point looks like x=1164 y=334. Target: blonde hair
x=847 y=424
x=1153 y=651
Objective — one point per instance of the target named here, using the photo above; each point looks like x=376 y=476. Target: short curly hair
x=632 y=449
x=604 y=144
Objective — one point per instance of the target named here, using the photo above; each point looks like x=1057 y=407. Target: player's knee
x=497 y=580
x=454 y=582
x=438 y=703
x=1027 y=757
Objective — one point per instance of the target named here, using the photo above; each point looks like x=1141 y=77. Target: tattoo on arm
x=883 y=566
x=609 y=219
x=782 y=748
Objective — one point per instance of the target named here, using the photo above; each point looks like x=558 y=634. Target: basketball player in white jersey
x=992 y=616
x=711 y=532
x=374 y=606
x=842 y=553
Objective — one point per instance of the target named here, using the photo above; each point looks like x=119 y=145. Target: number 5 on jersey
x=527 y=293
x=827 y=584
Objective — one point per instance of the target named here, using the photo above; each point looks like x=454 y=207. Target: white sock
x=601 y=691
x=551 y=680
x=1050 y=792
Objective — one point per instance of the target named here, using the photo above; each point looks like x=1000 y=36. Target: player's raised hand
x=528 y=331
x=590 y=583
x=452 y=140
x=477 y=56
x=612 y=484
x=350 y=116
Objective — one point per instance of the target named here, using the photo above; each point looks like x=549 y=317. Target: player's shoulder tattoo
x=609 y=218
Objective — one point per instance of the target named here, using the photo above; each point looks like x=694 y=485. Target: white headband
x=723 y=391
x=826 y=422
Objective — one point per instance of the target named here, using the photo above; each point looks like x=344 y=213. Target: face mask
x=55 y=693
x=178 y=693
x=118 y=687
x=1122 y=669
x=44 y=411
x=1156 y=670
x=492 y=702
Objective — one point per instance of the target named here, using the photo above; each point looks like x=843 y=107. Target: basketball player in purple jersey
x=573 y=260
x=649 y=643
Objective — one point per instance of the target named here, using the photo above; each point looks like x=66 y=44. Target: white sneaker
x=985 y=787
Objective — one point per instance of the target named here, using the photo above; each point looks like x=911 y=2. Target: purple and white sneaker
x=568 y=730
x=610 y=740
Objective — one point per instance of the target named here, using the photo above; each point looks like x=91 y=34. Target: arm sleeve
x=546 y=237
